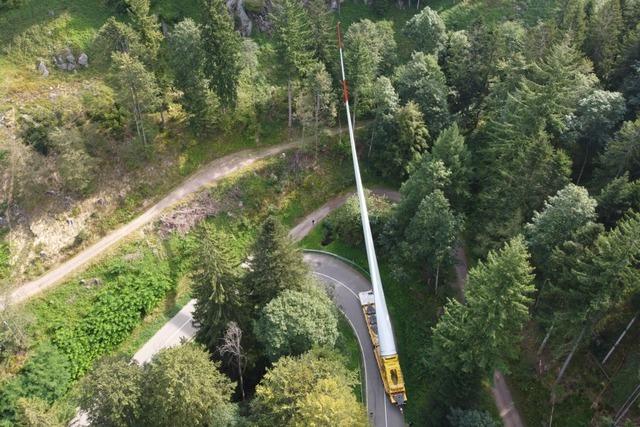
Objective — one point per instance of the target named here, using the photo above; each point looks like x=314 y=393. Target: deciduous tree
x=182 y=387
x=294 y=322
x=296 y=386
x=422 y=81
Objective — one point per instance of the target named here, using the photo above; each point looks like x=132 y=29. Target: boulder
x=42 y=68
x=83 y=60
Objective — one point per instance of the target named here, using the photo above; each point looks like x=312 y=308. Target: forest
x=508 y=128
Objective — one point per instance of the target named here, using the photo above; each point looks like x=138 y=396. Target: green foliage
x=76 y=167
x=186 y=56
x=292 y=37
x=147 y=26
x=133 y=290
x=622 y=153
x=294 y=322
x=346 y=222
x=470 y=418
x=215 y=286
x=291 y=392
x=116 y=36
x=221 y=46
x=136 y=88
x=616 y=198
x=431 y=235
x=35 y=412
x=199 y=394
x=111 y=393
x=10 y=4
x=570 y=209
x=430 y=175
x=599 y=279
x=13 y=332
x=276 y=265
x=482 y=335
x=36 y=125
x=101 y=108
x=47 y=375
x=427 y=30
x=369 y=49
x=450 y=149
x=422 y=81
x=604 y=36
x=5 y=259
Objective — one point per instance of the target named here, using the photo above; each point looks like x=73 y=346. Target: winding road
x=209 y=174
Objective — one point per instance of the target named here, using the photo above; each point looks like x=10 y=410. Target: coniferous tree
x=137 y=88
x=431 y=235
x=564 y=213
x=622 y=153
x=148 y=27
x=276 y=265
x=427 y=30
x=186 y=57
x=222 y=46
x=450 y=148
x=616 y=198
x=294 y=44
x=422 y=81
x=573 y=20
x=215 y=288
x=604 y=36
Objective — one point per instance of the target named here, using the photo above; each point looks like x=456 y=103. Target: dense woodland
x=511 y=129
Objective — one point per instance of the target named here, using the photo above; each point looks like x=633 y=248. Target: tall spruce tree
x=222 y=46
x=215 y=287
x=431 y=235
x=294 y=44
x=186 y=57
x=276 y=265
x=450 y=148
x=622 y=153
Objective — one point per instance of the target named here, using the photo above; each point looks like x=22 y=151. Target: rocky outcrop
x=41 y=68
x=68 y=62
x=236 y=8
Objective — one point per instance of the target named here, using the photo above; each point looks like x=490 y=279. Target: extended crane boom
x=376 y=312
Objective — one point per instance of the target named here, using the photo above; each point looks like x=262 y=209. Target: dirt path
x=213 y=172
x=500 y=390
x=308 y=222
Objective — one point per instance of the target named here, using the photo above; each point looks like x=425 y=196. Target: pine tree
x=137 y=88
x=622 y=153
x=222 y=52
x=148 y=27
x=616 y=198
x=570 y=209
x=277 y=265
x=215 y=287
x=603 y=42
x=450 y=148
x=431 y=235
x=294 y=45
x=186 y=57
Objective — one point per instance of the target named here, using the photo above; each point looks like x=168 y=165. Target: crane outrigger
x=374 y=305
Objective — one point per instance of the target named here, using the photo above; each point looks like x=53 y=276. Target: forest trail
x=213 y=172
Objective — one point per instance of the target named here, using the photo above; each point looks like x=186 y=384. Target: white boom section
x=385 y=333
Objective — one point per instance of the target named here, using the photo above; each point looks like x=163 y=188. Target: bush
x=132 y=291
x=75 y=165
x=346 y=224
x=35 y=125
x=46 y=376
x=102 y=109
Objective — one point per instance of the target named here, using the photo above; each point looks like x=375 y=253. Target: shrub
x=35 y=125
x=346 y=224
x=131 y=292
x=46 y=376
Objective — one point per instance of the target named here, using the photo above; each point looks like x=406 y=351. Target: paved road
x=213 y=172
x=344 y=284
x=500 y=389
